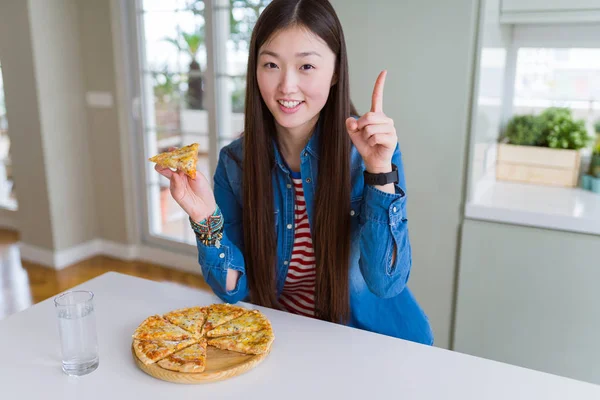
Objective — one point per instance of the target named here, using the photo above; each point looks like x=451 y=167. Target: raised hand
x=373 y=134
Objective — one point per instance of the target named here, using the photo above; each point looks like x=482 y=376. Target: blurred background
x=497 y=109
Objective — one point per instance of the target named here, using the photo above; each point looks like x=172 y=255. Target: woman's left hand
x=373 y=134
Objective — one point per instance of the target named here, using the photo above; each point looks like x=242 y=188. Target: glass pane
x=8 y=198
x=171 y=219
x=160 y=31
x=173 y=96
x=558 y=77
x=167 y=89
x=236 y=21
x=162 y=5
x=238 y=95
x=244 y=14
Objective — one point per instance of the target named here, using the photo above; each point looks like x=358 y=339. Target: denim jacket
x=380 y=300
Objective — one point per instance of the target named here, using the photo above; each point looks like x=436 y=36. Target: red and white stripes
x=298 y=294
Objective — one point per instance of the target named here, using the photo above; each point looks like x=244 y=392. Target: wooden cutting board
x=220 y=365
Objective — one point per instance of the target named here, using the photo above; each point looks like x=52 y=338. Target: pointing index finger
x=377 y=100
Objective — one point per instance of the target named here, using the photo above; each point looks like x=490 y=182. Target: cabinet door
x=549 y=5
x=529 y=297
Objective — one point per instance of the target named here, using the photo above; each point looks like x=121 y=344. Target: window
x=524 y=69
x=193 y=59
x=558 y=77
x=8 y=197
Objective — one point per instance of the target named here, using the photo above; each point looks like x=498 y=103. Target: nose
x=289 y=82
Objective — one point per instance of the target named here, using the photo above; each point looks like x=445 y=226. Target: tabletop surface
x=309 y=358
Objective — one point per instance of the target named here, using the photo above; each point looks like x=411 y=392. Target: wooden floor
x=23 y=284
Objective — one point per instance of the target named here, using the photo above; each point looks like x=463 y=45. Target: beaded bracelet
x=210 y=230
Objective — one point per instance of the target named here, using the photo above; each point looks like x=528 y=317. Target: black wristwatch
x=382 y=179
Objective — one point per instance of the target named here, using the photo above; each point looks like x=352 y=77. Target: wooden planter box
x=538 y=165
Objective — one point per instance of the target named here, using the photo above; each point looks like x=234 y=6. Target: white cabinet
x=530 y=297
x=549 y=11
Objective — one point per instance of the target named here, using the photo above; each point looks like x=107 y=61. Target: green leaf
x=523 y=130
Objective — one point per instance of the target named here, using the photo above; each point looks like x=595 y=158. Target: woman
x=308 y=212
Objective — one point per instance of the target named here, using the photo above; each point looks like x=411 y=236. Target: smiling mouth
x=289 y=104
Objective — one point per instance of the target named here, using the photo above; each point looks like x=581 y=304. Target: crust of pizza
x=183 y=159
x=247 y=343
x=150 y=352
x=252 y=321
x=190 y=359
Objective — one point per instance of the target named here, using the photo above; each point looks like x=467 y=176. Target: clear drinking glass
x=77 y=328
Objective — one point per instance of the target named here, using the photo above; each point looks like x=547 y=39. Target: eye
x=270 y=65
x=306 y=67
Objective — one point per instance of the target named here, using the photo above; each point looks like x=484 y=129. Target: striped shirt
x=298 y=294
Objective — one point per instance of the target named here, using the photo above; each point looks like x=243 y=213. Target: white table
x=310 y=359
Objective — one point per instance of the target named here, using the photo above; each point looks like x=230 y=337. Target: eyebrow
x=302 y=54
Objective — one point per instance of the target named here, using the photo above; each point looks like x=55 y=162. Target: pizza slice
x=247 y=343
x=150 y=352
x=190 y=359
x=191 y=319
x=218 y=314
x=157 y=328
x=252 y=321
x=183 y=159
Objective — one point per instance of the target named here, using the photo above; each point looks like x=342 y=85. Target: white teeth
x=289 y=104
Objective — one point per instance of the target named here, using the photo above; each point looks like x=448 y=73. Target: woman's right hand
x=194 y=196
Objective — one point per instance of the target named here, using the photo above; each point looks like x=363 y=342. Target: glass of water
x=77 y=328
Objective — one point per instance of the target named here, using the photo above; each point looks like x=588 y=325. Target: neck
x=293 y=141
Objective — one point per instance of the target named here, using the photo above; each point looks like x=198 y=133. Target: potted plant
x=591 y=180
x=190 y=43
x=595 y=161
x=542 y=149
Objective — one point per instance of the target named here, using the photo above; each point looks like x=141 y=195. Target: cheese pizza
x=179 y=340
x=183 y=159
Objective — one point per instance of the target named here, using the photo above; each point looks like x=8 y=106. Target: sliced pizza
x=183 y=159
x=190 y=359
x=150 y=352
x=252 y=321
x=191 y=319
x=218 y=314
x=157 y=328
x=247 y=343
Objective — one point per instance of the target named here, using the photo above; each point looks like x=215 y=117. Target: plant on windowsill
x=595 y=162
x=591 y=180
x=542 y=149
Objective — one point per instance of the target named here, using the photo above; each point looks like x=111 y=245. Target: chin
x=290 y=121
